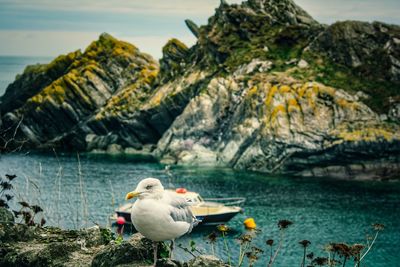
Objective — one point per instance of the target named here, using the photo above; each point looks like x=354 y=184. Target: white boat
x=208 y=211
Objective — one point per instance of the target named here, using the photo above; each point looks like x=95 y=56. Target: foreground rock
x=265 y=88
x=22 y=245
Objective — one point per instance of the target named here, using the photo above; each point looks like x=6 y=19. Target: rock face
x=265 y=88
x=22 y=245
x=108 y=71
x=359 y=44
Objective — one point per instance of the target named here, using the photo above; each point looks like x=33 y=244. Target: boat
x=207 y=210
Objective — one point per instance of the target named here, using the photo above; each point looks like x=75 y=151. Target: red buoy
x=121 y=220
x=181 y=190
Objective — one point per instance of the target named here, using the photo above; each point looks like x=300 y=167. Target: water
x=322 y=210
x=10 y=66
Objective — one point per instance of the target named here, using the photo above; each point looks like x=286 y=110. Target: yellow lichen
x=271 y=95
x=301 y=90
x=367 y=134
x=293 y=105
x=284 y=89
x=278 y=109
x=54 y=91
x=311 y=98
x=252 y=91
x=343 y=103
x=148 y=75
x=327 y=91
x=315 y=88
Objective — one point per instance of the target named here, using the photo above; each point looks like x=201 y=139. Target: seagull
x=159 y=215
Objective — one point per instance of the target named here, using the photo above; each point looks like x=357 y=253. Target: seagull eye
x=149 y=187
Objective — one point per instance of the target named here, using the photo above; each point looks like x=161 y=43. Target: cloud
x=366 y=10
x=53 y=43
x=170 y=7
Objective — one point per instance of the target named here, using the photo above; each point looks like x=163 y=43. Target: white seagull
x=159 y=215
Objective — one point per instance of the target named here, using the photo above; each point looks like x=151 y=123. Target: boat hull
x=204 y=219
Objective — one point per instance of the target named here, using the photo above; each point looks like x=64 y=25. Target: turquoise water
x=10 y=66
x=323 y=210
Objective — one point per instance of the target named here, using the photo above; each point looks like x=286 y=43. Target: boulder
x=206 y=261
x=136 y=251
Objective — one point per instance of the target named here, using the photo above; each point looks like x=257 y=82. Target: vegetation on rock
x=264 y=85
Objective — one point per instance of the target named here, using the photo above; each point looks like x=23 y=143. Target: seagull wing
x=180 y=211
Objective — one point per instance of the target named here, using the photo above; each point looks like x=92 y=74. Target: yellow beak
x=132 y=195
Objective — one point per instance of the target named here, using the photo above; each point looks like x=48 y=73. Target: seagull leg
x=155 y=247
x=171 y=248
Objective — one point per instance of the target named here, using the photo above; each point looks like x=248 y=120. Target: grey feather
x=180 y=212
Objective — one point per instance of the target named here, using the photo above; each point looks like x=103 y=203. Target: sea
x=82 y=190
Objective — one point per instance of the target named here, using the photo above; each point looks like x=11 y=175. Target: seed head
x=283 y=224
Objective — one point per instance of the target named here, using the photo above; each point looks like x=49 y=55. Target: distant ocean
x=10 y=66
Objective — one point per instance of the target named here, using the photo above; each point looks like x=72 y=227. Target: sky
x=53 y=27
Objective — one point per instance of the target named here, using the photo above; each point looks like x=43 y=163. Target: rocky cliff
x=265 y=88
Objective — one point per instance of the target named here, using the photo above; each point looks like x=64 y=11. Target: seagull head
x=147 y=188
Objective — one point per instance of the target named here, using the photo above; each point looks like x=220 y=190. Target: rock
x=16 y=232
x=168 y=263
x=173 y=61
x=256 y=65
x=114 y=149
x=136 y=251
x=193 y=27
x=33 y=79
x=23 y=245
x=269 y=128
x=206 y=261
x=394 y=112
x=265 y=88
x=362 y=45
x=302 y=64
x=88 y=97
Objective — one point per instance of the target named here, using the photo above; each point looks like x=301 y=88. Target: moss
x=54 y=91
x=174 y=47
x=338 y=76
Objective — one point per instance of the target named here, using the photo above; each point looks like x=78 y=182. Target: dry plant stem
x=227 y=249
x=82 y=193
x=369 y=248
x=303 y=262
x=59 y=174
x=186 y=250
x=329 y=259
x=270 y=257
x=271 y=261
x=242 y=253
x=344 y=262
x=14 y=134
